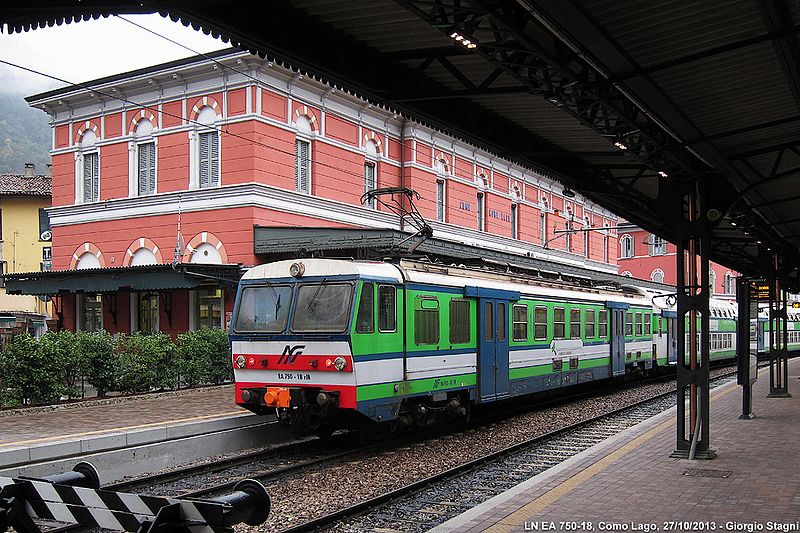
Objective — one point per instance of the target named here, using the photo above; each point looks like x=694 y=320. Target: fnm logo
x=290 y=353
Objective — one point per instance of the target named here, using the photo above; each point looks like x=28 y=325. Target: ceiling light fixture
x=568 y=193
x=470 y=43
x=662 y=173
x=620 y=145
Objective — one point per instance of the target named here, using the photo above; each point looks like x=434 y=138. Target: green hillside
x=24 y=135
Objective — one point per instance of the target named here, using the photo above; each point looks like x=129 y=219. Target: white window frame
x=133 y=160
x=626 y=250
x=481 y=207
x=441 y=200
x=730 y=283
x=514 y=220
x=80 y=161
x=194 y=149
x=655 y=272
x=370 y=163
x=298 y=188
x=586 y=240
x=656 y=245
x=543 y=227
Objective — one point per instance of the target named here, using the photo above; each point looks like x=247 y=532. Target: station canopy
x=623 y=102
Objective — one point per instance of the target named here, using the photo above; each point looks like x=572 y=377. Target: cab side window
x=365 y=320
x=387 y=308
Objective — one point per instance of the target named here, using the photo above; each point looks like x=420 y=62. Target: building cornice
x=267 y=197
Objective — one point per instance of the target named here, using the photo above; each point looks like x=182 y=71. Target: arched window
x=143 y=159
x=441 y=174
x=657 y=275
x=730 y=283
x=712 y=281
x=370 y=170
x=626 y=246
x=205 y=169
x=88 y=168
x=627 y=274
x=657 y=245
x=303 y=154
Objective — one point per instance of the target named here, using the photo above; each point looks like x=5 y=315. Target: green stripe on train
x=416 y=386
x=542 y=370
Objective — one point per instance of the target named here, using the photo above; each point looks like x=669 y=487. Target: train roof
x=326 y=268
x=451 y=276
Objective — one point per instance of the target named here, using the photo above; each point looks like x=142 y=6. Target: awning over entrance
x=135 y=279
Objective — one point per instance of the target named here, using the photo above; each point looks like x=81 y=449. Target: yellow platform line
x=118 y=429
x=514 y=521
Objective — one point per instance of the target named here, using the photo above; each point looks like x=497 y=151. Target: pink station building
x=161 y=176
x=643 y=255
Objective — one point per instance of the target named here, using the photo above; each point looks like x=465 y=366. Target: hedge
x=52 y=367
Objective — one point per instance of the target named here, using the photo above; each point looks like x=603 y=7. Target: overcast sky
x=84 y=51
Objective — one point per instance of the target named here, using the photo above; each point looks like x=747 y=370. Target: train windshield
x=264 y=309
x=322 y=307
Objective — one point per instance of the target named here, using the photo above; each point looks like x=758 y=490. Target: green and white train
x=330 y=343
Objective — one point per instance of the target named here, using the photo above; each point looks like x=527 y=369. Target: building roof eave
x=134 y=279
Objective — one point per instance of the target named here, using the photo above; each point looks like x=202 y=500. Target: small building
x=162 y=176
x=25 y=245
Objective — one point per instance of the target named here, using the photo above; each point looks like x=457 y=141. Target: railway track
x=311 y=458
x=435 y=499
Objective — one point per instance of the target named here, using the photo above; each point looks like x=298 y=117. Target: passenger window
x=540 y=323
x=426 y=321
x=574 y=323
x=629 y=324
x=387 y=308
x=639 y=324
x=648 y=324
x=602 y=326
x=459 y=321
x=501 y=322
x=558 y=322
x=590 y=329
x=519 y=322
x=365 y=320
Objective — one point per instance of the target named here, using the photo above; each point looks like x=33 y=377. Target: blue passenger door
x=672 y=338
x=617 y=312
x=493 y=329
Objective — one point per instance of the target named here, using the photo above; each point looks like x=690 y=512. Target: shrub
x=60 y=349
x=146 y=362
x=99 y=360
x=204 y=357
x=33 y=374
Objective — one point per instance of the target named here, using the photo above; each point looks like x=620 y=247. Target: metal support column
x=693 y=313
x=778 y=336
x=747 y=343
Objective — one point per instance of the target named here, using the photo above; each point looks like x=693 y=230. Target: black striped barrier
x=75 y=498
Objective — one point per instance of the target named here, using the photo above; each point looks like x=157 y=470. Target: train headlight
x=297 y=269
x=339 y=363
x=240 y=361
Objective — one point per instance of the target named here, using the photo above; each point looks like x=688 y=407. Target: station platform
x=630 y=482
x=46 y=433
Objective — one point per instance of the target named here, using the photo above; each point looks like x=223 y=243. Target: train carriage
x=329 y=343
